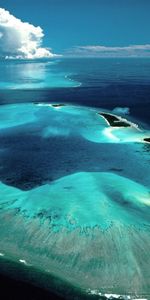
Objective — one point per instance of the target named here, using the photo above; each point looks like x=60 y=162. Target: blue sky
x=69 y=23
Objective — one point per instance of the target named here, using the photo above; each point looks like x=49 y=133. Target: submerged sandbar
x=63 y=207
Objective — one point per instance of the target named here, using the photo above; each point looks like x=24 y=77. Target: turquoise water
x=74 y=191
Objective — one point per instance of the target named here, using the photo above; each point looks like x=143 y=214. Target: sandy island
x=115 y=121
x=58 y=105
x=147 y=140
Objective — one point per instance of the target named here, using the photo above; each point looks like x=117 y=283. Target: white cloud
x=20 y=39
x=104 y=51
x=121 y=110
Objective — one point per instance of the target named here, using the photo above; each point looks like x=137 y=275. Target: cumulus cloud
x=121 y=110
x=20 y=39
x=104 y=51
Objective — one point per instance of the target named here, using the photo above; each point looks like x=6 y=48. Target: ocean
x=75 y=178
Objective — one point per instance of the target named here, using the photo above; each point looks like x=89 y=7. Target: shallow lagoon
x=76 y=196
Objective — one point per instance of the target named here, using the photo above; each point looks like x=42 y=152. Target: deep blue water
x=107 y=83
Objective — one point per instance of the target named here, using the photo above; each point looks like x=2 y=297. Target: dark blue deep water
x=108 y=83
